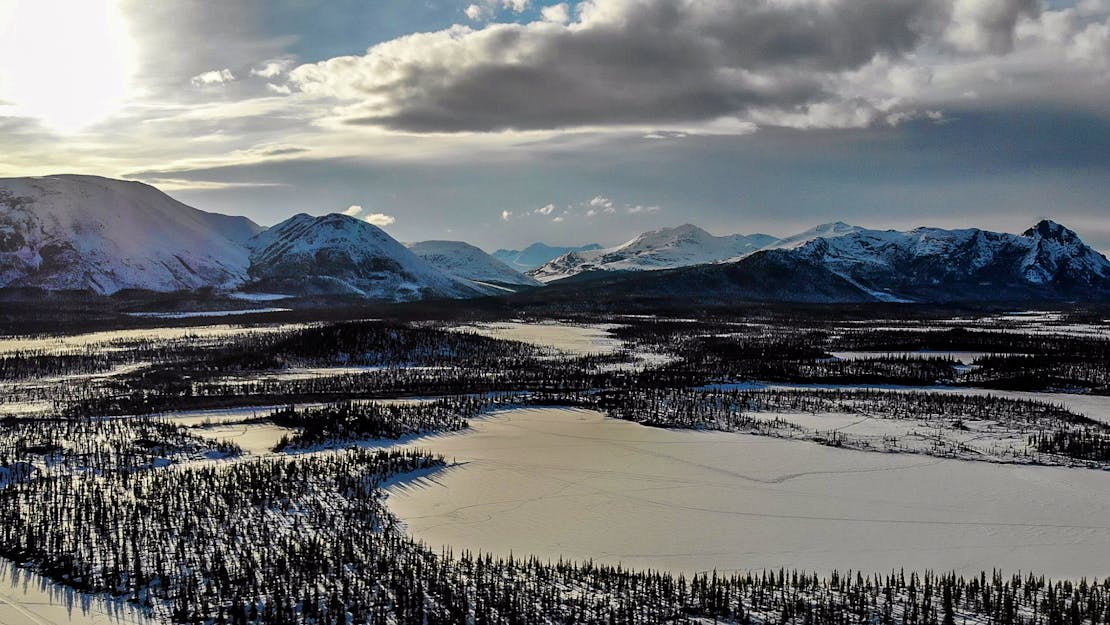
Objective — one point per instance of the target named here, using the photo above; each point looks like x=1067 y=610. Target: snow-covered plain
x=1016 y=322
x=574 y=484
x=58 y=344
x=207 y=313
x=302 y=373
x=580 y=340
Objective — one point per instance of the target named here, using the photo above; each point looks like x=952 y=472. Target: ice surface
x=571 y=483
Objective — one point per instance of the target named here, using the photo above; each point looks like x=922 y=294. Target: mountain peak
x=666 y=248
x=73 y=231
x=339 y=254
x=665 y=236
x=1052 y=231
x=470 y=263
x=836 y=227
x=536 y=255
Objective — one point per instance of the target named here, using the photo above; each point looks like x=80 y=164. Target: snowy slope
x=935 y=264
x=465 y=261
x=659 y=249
x=340 y=255
x=104 y=235
x=537 y=254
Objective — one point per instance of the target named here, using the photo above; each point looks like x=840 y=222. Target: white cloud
x=181 y=184
x=478 y=13
x=272 y=68
x=559 y=219
x=213 y=77
x=506 y=215
x=986 y=26
x=720 y=66
x=1092 y=45
x=638 y=209
x=545 y=210
x=487 y=9
x=353 y=210
x=601 y=202
x=556 y=13
x=380 y=219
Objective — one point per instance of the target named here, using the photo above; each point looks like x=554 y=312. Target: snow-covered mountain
x=536 y=254
x=668 y=248
x=340 y=255
x=101 y=235
x=842 y=263
x=935 y=264
x=90 y=233
x=465 y=261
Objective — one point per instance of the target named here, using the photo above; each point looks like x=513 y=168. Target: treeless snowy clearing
x=572 y=483
x=253 y=438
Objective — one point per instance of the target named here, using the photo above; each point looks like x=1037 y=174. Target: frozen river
x=572 y=483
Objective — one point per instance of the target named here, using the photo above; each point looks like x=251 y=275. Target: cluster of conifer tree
x=1091 y=443
x=353 y=421
x=421 y=359
x=307 y=540
x=68 y=445
x=35 y=364
x=701 y=408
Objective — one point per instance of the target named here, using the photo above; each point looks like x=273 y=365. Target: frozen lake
x=572 y=483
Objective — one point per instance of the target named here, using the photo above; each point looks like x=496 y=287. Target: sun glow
x=68 y=63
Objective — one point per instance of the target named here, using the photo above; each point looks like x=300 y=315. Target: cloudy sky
x=503 y=122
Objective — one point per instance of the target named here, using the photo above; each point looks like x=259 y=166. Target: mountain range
x=669 y=248
x=101 y=235
x=537 y=254
x=842 y=263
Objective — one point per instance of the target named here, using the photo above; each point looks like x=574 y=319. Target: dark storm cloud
x=647 y=62
x=1001 y=170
